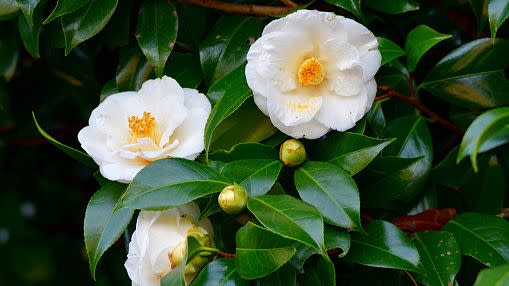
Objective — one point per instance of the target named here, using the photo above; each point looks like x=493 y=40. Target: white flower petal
x=346 y=82
x=342 y=112
x=121 y=171
x=94 y=143
x=295 y=107
x=154 y=90
x=261 y=102
x=371 y=89
x=309 y=130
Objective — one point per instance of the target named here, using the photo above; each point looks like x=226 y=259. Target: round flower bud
x=196 y=264
x=292 y=153
x=233 y=199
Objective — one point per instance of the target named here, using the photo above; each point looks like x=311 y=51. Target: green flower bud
x=233 y=199
x=292 y=153
x=196 y=264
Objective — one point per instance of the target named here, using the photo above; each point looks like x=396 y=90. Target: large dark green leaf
x=440 y=258
x=498 y=11
x=489 y=130
x=86 y=22
x=284 y=276
x=480 y=9
x=289 y=217
x=498 y=276
x=472 y=75
x=171 y=182
x=30 y=33
x=392 y=6
x=102 y=226
x=332 y=191
x=484 y=237
x=260 y=251
x=133 y=69
x=419 y=41
x=335 y=238
x=318 y=271
x=350 y=151
x=176 y=277
x=65 y=7
x=185 y=69
x=383 y=245
x=389 y=50
x=256 y=175
x=220 y=272
x=28 y=7
x=8 y=8
x=156 y=32
x=244 y=151
x=353 y=6
x=227 y=44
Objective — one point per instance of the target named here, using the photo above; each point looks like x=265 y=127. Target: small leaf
x=290 y=218
x=220 y=272
x=392 y=6
x=156 y=32
x=483 y=237
x=488 y=131
x=28 y=7
x=169 y=183
x=384 y=245
x=332 y=191
x=335 y=238
x=133 y=69
x=261 y=252
x=353 y=6
x=498 y=11
x=102 y=226
x=419 y=41
x=30 y=33
x=389 y=50
x=244 y=151
x=256 y=175
x=493 y=276
x=65 y=7
x=75 y=154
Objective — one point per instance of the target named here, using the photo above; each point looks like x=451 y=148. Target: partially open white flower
x=313 y=71
x=156 y=237
x=129 y=130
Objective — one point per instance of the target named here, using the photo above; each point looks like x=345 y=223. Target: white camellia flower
x=313 y=71
x=158 y=235
x=129 y=130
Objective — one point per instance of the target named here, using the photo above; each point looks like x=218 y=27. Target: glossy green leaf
x=244 y=151
x=350 y=151
x=75 y=154
x=185 y=69
x=335 y=238
x=419 y=41
x=256 y=175
x=86 y=22
x=383 y=245
x=318 y=271
x=235 y=91
x=392 y=6
x=376 y=118
x=332 y=191
x=498 y=11
x=133 y=69
x=8 y=8
x=171 y=182
x=472 y=76
x=284 y=276
x=30 y=33
x=220 y=272
x=176 y=277
x=498 y=276
x=483 y=237
x=65 y=7
x=156 y=32
x=28 y=7
x=256 y=244
x=102 y=226
x=353 y=6
x=117 y=32
x=488 y=131
x=440 y=257
x=389 y=50
x=290 y=218
x=226 y=45
x=480 y=9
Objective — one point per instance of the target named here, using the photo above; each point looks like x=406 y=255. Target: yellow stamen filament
x=310 y=72
x=144 y=127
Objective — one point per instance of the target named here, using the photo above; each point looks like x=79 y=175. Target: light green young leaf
x=419 y=41
x=493 y=276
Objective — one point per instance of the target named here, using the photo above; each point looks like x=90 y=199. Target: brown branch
x=411 y=85
x=248 y=9
x=289 y=3
x=226 y=255
x=411 y=278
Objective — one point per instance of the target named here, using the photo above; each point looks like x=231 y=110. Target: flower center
x=144 y=127
x=310 y=72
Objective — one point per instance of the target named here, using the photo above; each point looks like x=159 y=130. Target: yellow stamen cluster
x=142 y=127
x=310 y=72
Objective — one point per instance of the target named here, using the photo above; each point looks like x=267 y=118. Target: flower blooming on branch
x=158 y=244
x=129 y=130
x=313 y=71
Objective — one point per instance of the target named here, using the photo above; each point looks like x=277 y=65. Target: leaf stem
x=248 y=9
x=218 y=252
x=411 y=278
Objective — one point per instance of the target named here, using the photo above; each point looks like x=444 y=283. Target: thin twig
x=289 y=3
x=248 y=9
x=411 y=85
x=218 y=252
x=411 y=278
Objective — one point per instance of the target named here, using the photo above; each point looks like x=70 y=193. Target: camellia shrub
x=285 y=143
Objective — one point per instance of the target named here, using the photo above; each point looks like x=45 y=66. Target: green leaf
x=117 y=32
x=234 y=94
x=256 y=175
x=332 y=191
x=350 y=151
x=28 y=7
x=392 y=6
x=497 y=276
x=86 y=22
x=169 y=183
x=480 y=9
x=156 y=32
x=335 y=238
x=318 y=271
x=419 y=41
x=353 y=6
x=109 y=88
x=483 y=237
x=30 y=33
x=185 y=69
x=290 y=218
x=440 y=257
x=176 y=277
x=65 y=7
x=488 y=131
x=8 y=8
x=498 y=11
x=102 y=226
x=284 y=276
x=226 y=45
x=389 y=50
x=244 y=151
x=384 y=245
x=260 y=252
x=376 y=118
x=75 y=154
x=472 y=76
x=133 y=69
x=220 y=272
